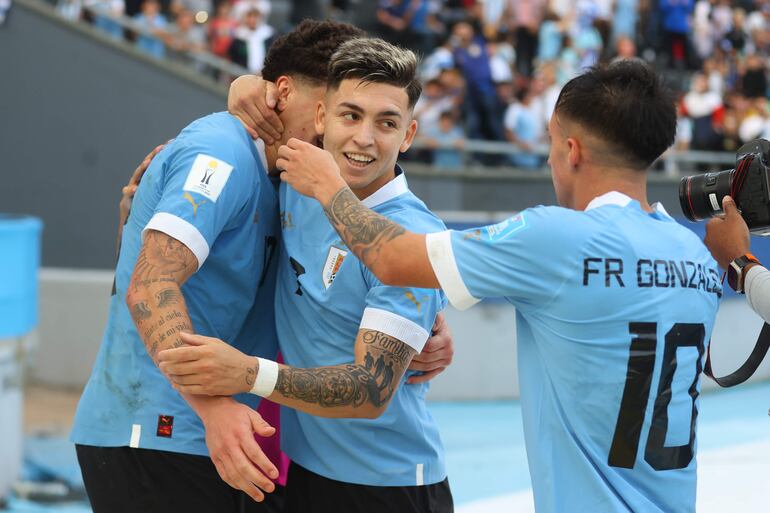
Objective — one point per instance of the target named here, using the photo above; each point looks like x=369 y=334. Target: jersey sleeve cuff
x=393 y=325
x=182 y=231
x=442 y=259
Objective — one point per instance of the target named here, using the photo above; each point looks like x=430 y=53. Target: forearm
x=159 y=312
x=340 y=391
x=757 y=286
x=160 y=315
x=395 y=255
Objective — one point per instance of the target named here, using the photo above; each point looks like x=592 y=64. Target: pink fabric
x=271 y=445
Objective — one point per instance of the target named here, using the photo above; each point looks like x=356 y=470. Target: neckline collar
x=387 y=192
x=621 y=200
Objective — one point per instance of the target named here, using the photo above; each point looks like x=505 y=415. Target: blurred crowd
x=492 y=69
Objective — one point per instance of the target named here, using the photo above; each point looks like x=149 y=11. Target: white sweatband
x=757 y=287
x=267 y=376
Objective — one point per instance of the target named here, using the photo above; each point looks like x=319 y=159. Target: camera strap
x=749 y=366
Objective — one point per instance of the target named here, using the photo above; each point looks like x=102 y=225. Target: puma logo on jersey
x=411 y=297
x=195 y=206
x=332 y=266
x=414 y=299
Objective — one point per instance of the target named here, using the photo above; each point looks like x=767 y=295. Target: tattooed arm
x=361 y=389
x=395 y=255
x=154 y=297
x=158 y=308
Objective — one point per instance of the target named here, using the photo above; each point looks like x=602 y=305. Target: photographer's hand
x=727 y=238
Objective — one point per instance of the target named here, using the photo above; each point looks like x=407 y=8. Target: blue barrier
x=19 y=263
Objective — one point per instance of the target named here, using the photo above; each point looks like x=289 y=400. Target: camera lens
x=700 y=196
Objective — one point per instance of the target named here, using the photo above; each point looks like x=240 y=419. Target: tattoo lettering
x=374 y=382
x=362 y=229
x=390 y=346
x=167 y=297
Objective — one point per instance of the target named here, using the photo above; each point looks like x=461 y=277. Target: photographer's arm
x=728 y=238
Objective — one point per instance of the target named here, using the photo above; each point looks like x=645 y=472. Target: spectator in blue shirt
x=151 y=19
x=441 y=135
x=481 y=107
x=675 y=22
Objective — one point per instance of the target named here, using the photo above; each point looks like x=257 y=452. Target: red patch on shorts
x=165 y=426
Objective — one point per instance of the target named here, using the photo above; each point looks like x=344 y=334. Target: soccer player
x=615 y=301
x=198 y=252
x=388 y=456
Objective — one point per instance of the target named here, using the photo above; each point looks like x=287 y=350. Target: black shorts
x=126 y=480
x=307 y=492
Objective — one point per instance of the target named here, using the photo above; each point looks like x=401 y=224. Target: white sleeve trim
x=757 y=286
x=182 y=231
x=442 y=259
x=401 y=328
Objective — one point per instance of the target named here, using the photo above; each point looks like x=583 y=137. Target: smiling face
x=364 y=126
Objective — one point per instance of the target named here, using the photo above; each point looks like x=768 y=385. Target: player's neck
x=631 y=183
x=271 y=156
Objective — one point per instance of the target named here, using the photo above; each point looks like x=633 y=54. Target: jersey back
x=614 y=310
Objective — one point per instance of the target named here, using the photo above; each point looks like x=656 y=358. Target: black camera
x=701 y=195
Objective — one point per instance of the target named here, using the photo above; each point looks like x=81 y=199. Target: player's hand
x=253 y=100
x=727 y=238
x=311 y=170
x=240 y=462
x=129 y=189
x=437 y=354
x=207 y=366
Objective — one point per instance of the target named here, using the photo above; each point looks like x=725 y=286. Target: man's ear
x=320 y=118
x=409 y=137
x=285 y=87
x=575 y=155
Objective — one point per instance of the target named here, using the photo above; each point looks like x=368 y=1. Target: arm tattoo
x=162 y=256
x=141 y=312
x=362 y=229
x=349 y=385
x=395 y=348
x=167 y=297
x=372 y=382
x=251 y=375
x=154 y=298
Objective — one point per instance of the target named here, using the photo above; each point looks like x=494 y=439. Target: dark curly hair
x=305 y=51
x=625 y=104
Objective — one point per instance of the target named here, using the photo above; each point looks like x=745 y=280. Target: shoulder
x=558 y=219
x=219 y=131
x=219 y=139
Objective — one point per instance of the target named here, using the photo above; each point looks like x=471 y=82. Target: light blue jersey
x=208 y=190
x=614 y=310
x=323 y=296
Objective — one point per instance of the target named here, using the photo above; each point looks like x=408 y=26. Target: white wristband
x=267 y=376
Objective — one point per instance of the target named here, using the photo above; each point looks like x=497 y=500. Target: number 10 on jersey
x=633 y=405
